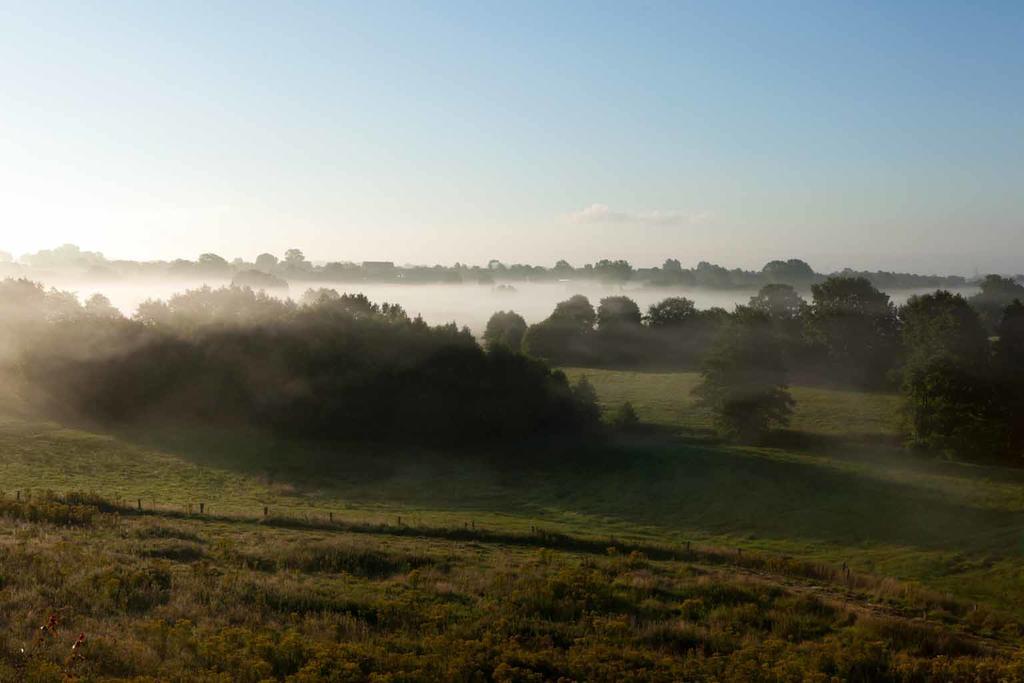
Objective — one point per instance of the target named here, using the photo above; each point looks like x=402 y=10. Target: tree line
x=271 y=271
x=958 y=361
x=336 y=367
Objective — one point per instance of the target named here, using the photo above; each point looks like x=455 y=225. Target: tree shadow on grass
x=650 y=478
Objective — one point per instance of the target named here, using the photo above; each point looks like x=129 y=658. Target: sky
x=869 y=134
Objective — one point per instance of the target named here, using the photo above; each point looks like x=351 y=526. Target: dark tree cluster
x=965 y=390
x=847 y=334
x=959 y=362
x=335 y=367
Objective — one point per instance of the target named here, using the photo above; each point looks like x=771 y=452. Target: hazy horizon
x=874 y=137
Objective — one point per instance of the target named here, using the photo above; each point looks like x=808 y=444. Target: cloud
x=602 y=213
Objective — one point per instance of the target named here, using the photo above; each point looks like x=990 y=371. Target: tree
x=505 y=329
x=1009 y=361
x=671 y=312
x=793 y=271
x=952 y=402
x=577 y=312
x=943 y=324
x=585 y=396
x=779 y=302
x=679 y=333
x=613 y=271
x=710 y=275
x=563 y=269
x=625 y=418
x=266 y=262
x=99 y=306
x=996 y=294
x=617 y=312
x=567 y=334
x=743 y=381
x=621 y=338
x=212 y=264
x=294 y=257
x=672 y=265
x=857 y=328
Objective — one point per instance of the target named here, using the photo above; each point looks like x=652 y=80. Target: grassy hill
x=934 y=546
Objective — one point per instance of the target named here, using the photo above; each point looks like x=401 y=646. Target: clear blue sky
x=881 y=134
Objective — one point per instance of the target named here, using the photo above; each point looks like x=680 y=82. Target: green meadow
x=932 y=541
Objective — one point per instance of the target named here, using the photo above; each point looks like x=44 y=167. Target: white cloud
x=602 y=213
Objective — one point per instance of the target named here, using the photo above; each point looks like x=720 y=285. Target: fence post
x=330 y=516
x=18 y=495
x=140 y=503
x=202 y=508
x=266 y=511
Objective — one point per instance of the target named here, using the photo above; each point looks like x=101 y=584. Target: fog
x=466 y=304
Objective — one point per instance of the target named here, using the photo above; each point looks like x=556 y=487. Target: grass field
x=208 y=598
x=665 y=399
x=841 y=490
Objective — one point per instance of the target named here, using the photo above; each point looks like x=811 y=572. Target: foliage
x=507 y=329
x=996 y=294
x=339 y=367
x=744 y=380
x=857 y=328
x=954 y=402
x=625 y=418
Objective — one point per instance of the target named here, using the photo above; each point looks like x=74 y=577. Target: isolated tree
x=585 y=396
x=625 y=418
x=672 y=265
x=743 y=381
x=294 y=257
x=505 y=329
